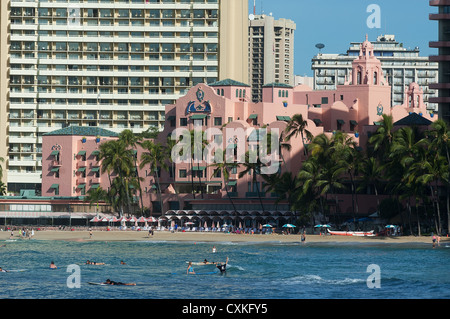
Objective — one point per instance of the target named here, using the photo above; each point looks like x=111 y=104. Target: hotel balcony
x=439 y=44
x=439 y=3
x=439 y=58
x=439 y=99
x=439 y=16
x=439 y=86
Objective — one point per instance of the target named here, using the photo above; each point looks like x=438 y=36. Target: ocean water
x=255 y=271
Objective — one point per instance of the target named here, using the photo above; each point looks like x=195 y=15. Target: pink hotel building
x=71 y=168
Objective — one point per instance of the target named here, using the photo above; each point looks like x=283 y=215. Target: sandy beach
x=209 y=237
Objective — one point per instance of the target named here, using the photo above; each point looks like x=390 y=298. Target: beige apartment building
x=271 y=52
x=113 y=64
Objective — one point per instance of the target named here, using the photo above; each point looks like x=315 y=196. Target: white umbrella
x=189 y=223
x=289 y=226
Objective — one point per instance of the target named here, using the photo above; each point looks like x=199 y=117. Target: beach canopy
x=267 y=226
x=132 y=219
x=113 y=219
x=104 y=219
x=189 y=223
x=289 y=226
x=95 y=219
x=390 y=226
x=142 y=220
x=324 y=226
x=123 y=219
x=152 y=219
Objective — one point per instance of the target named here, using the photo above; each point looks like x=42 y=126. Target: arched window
x=223 y=92
x=218 y=91
x=279 y=93
x=287 y=93
x=237 y=93
x=375 y=78
x=359 y=77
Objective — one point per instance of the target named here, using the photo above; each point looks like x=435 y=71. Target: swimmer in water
x=115 y=283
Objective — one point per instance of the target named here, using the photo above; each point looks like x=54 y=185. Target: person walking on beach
x=90 y=233
x=11 y=235
x=303 y=237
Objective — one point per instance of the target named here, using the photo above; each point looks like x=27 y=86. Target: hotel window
x=183 y=121
x=182 y=173
x=324 y=100
x=218 y=121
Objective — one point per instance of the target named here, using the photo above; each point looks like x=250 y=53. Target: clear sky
x=336 y=23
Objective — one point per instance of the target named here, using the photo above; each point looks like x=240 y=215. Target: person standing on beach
x=90 y=233
x=303 y=237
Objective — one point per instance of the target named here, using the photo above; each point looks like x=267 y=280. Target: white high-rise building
x=108 y=63
x=401 y=65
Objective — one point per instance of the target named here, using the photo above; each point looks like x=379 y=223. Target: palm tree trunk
x=438 y=209
x=139 y=184
x=159 y=192
x=192 y=177
x=199 y=179
x=257 y=189
x=418 y=219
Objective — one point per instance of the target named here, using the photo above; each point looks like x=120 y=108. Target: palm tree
x=224 y=167
x=116 y=159
x=196 y=150
x=382 y=139
x=370 y=175
x=154 y=155
x=253 y=167
x=95 y=196
x=132 y=140
x=297 y=125
x=440 y=134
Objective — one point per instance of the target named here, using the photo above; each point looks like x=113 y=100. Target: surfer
x=122 y=262
x=223 y=267
x=115 y=283
x=2 y=270
x=190 y=270
x=53 y=266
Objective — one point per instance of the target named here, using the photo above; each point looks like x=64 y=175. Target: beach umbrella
x=326 y=226
x=132 y=219
x=390 y=226
x=267 y=226
x=152 y=219
x=142 y=220
x=113 y=219
x=318 y=226
x=289 y=226
x=123 y=219
x=104 y=219
x=189 y=223
x=95 y=219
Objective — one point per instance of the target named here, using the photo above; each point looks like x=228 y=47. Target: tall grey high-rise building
x=108 y=63
x=401 y=65
x=442 y=58
x=271 y=52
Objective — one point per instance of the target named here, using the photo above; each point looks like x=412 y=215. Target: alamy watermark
x=374 y=19
x=208 y=146
x=374 y=279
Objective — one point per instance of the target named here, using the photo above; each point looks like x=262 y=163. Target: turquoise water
x=255 y=271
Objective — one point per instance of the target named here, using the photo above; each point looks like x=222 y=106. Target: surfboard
x=97 y=284
x=199 y=263
x=198 y=273
x=15 y=270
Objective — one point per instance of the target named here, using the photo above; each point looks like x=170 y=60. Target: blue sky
x=336 y=23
